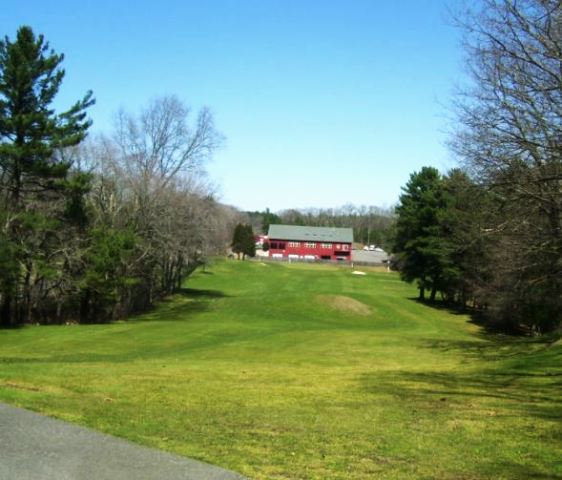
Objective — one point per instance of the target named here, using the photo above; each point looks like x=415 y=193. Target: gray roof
x=311 y=234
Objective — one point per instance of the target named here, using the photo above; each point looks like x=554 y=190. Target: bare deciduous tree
x=510 y=139
x=160 y=143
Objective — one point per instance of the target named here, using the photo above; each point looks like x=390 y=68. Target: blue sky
x=322 y=102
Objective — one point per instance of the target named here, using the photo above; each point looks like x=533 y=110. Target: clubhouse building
x=310 y=243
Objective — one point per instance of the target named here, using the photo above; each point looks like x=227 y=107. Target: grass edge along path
x=301 y=371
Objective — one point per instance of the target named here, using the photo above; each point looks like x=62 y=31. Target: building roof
x=311 y=234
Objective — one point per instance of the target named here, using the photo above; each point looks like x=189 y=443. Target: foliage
x=243 y=241
x=105 y=273
x=418 y=239
x=32 y=171
x=260 y=221
x=30 y=131
x=491 y=237
x=93 y=230
x=508 y=136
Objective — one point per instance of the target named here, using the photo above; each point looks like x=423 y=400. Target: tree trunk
x=26 y=307
x=422 y=293
x=433 y=293
x=5 y=312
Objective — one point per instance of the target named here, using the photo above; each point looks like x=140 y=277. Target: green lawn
x=294 y=372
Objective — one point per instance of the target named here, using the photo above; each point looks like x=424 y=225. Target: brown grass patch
x=27 y=387
x=345 y=304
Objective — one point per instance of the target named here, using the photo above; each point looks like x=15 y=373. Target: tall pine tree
x=418 y=240
x=33 y=175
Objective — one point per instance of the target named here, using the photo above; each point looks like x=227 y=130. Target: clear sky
x=322 y=102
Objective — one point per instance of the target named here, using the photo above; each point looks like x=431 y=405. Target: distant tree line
x=490 y=236
x=93 y=230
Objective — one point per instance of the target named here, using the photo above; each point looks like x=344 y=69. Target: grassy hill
x=298 y=371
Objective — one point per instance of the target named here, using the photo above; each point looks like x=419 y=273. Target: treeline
x=371 y=225
x=490 y=236
x=94 y=230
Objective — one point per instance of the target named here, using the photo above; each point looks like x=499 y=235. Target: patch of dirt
x=345 y=304
x=17 y=386
x=26 y=387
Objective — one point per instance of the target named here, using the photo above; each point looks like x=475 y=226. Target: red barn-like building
x=310 y=243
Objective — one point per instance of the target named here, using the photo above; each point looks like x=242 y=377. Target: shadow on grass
x=520 y=376
x=505 y=401
x=179 y=306
x=476 y=317
x=440 y=305
x=198 y=293
x=537 y=395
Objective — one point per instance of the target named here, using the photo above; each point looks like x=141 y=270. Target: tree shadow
x=524 y=373
x=506 y=398
x=179 y=306
x=198 y=293
x=477 y=317
x=440 y=305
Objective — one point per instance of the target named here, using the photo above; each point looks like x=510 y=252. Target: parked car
x=372 y=248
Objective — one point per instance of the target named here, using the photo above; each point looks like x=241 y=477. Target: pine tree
x=30 y=132
x=33 y=174
x=419 y=243
x=249 y=241
x=243 y=241
x=238 y=240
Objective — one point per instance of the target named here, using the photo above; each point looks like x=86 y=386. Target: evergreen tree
x=249 y=241
x=238 y=240
x=31 y=133
x=243 y=241
x=33 y=174
x=463 y=224
x=419 y=241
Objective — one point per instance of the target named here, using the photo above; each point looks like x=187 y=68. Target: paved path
x=34 y=447
x=368 y=256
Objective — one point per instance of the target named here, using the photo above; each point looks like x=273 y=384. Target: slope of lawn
x=302 y=372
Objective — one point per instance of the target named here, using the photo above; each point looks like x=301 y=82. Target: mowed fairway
x=298 y=372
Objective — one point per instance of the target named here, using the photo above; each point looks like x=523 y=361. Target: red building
x=310 y=243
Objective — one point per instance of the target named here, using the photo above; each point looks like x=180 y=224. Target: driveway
x=34 y=447
x=365 y=256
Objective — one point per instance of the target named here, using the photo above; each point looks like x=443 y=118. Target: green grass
x=261 y=369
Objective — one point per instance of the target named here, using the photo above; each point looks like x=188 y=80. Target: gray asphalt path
x=369 y=256
x=35 y=447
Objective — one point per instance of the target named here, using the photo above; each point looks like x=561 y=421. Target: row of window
x=281 y=245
